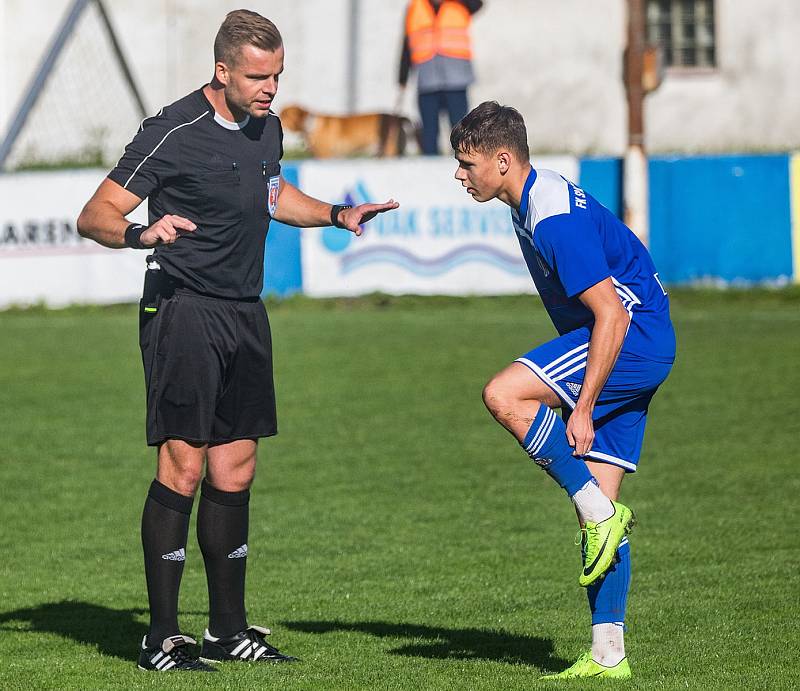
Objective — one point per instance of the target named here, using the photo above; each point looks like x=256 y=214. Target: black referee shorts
x=207 y=365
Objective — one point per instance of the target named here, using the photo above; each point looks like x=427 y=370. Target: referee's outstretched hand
x=166 y=230
x=354 y=218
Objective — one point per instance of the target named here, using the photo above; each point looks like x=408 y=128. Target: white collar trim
x=228 y=125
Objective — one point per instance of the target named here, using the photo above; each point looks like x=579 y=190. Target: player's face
x=479 y=175
x=251 y=84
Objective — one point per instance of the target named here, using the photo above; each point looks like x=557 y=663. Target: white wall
x=751 y=102
x=558 y=62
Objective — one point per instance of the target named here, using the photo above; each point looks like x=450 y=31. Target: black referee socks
x=165 y=527
x=222 y=525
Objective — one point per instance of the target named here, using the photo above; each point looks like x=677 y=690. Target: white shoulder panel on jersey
x=549 y=196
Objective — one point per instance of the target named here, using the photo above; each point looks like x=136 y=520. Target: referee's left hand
x=354 y=218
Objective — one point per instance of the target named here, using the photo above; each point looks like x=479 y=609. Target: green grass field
x=399 y=538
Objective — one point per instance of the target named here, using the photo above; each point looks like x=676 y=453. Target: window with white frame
x=684 y=30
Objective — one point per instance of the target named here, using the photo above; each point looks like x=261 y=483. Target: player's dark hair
x=489 y=127
x=244 y=28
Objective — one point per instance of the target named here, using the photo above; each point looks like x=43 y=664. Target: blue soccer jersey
x=571 y=242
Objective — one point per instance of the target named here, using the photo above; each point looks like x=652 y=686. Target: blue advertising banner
x=282 y=270
x=721 y=218
x=602 y=178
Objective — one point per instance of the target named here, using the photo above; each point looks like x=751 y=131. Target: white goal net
x=84 y=107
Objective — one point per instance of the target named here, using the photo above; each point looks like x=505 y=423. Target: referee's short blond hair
x=242 y=28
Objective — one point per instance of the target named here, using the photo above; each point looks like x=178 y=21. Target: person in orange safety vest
x=437 y=45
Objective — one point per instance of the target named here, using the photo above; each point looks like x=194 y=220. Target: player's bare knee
x=188 y=486
x=180 y=466
x=184 y=479
x=231 y=472
x=242 y=477
x=239 y=483
x=181 y=483
x=498 y=399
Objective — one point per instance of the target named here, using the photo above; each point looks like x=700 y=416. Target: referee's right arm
x=103 y=219
x=148 y=162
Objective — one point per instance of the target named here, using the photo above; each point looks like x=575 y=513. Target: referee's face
x=252 y=82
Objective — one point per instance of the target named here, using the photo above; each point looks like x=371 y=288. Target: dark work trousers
x=430 y=105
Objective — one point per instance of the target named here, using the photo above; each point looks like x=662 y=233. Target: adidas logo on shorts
x=575 y=389
x=240 y=553
x=177 y=555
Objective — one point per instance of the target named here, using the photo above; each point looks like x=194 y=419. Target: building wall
x=559 y=62
x=751 y=102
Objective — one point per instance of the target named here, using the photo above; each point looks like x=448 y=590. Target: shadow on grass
x=114 y=632
x=443 y=643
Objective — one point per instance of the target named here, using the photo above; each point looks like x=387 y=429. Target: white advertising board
x=439 y=242
x=42 y=257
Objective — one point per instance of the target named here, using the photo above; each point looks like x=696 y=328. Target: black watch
x=336 y=209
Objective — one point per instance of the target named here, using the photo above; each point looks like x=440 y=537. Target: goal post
x=89 y=117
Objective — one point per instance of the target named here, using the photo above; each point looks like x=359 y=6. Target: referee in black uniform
x=210 y=166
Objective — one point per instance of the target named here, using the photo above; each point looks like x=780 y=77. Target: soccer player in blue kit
x=616 y=345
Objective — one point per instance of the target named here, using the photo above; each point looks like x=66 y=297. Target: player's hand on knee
x=580 y=431
x=166 y=230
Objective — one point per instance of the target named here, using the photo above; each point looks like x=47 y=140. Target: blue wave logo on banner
x=390 y=254
x=338 y=241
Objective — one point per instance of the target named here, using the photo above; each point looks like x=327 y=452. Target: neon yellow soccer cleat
x=587 y=667
x=602 y=540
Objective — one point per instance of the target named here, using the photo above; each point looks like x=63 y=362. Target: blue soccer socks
x=608 y=596
x=546 y=444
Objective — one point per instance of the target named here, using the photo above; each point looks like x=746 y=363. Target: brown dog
x=329 y=136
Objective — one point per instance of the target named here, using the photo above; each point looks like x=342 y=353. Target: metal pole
x=634 y=69
x=35 y=88
x=123 y=63
x=352 y=57
x=635 y=182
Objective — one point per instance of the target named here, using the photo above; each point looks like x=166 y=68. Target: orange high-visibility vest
x=445 y=33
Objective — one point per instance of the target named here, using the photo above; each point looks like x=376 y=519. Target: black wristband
x=336 y=209
x=133 y=236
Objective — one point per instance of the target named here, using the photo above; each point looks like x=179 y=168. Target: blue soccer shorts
x=620 y=414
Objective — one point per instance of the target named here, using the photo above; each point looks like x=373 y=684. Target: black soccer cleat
x=245 y=646
x=172 y=655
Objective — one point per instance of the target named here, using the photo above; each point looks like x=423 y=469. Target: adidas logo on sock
x=177 y=555
x=240 y=553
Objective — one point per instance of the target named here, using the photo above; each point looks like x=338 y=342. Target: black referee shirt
x=217 y=175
